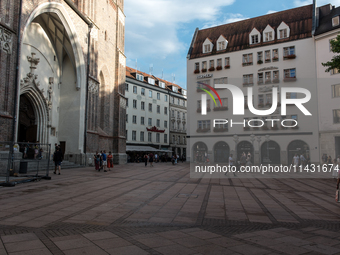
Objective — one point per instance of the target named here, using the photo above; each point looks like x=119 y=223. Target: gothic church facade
x=70 y=84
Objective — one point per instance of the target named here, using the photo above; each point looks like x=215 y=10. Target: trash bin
x=23 y=168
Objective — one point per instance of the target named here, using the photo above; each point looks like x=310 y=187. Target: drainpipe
x=16 y=91
x=87 y=86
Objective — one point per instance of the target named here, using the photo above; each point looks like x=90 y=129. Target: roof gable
x=299 y=20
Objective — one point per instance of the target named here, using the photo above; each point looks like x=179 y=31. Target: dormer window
x=162 y=84
x=335 y=21
x=222 y=43
x=268 y=34
x=140 y=77
x=254 y=36
x=174 y=89
x=207 y=46
x=254 y=39
x=283 y=31
x=151 y=81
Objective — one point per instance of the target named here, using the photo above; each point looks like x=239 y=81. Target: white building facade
x=178 y=120
x=328 y=27
x=147 y=114
x=264 y=54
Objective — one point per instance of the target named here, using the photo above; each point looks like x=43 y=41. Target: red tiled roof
x=131 y=73
x=299 y=20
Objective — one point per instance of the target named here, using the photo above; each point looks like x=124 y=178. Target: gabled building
x=70 y=80
x=262 y=54
x=151 y=102
x=327 y=29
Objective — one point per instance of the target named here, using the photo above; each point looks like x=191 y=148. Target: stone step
x=32 y=165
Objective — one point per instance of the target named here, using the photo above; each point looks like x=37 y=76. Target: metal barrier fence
x=27 y=162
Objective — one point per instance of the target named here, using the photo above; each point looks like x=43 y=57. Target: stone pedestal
x=119 y=158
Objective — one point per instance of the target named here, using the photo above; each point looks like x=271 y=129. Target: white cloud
x=318 y=2
x=151 y=25
x=228 y=18
x=270 y=12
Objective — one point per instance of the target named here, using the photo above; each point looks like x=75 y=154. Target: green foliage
x=335 y=62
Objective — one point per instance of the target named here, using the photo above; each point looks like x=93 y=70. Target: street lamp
x=236 y=139
x=259 y=141
x=267 y=138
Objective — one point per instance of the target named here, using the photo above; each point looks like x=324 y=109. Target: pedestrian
x=109 y=161
x=57 y=158
x=97 y=161
x=329 y=162
x=324 y=158
x=243 y=159
x=302 y=161
x=182 y=158
x=335 y=168
x=151 y=159
x=248 y=161
x=231 y=164
x=146 y=159
x=104 y=158
x=308 y=161
x=156 y=158
x=296 y=160
x=36 y=151
x=25 y=150
x=40 y=153
x=101 y=160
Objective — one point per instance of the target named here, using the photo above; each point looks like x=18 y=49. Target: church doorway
x=27 y=130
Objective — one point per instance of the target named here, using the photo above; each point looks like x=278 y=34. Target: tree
x=335 y=62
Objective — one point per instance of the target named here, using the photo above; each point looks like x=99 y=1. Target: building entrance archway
x=221 y=152
x=27 y=130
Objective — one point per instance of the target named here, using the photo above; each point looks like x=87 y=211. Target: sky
x=158 y=33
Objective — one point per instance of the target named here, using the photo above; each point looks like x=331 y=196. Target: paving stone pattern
x=135 y=209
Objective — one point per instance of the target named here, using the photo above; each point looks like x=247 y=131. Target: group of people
x=31 y=151
x=301 y=160
x=102 y=161
x=155 y=158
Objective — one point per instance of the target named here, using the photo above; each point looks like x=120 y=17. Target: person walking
x=231 y=163
x=243 y=159
x=146 y=159
x=97 y=161
x=296 y=160
x=57 y=158
x=36 y=151
x=324 y=158
x=151 y=159
x=104 y=157
x=302 y=161
x=109 y=161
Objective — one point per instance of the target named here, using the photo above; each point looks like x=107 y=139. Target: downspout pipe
x=87 y=87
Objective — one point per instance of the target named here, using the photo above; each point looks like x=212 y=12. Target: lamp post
x=259 y=141
x=267 y=138
x=252 y=139
x=236 y=139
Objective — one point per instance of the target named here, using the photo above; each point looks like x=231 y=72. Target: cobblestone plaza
x=161 y=210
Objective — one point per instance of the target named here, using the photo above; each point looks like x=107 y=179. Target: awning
x=143 y=148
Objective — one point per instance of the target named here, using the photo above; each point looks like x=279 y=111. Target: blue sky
x=158 y=33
